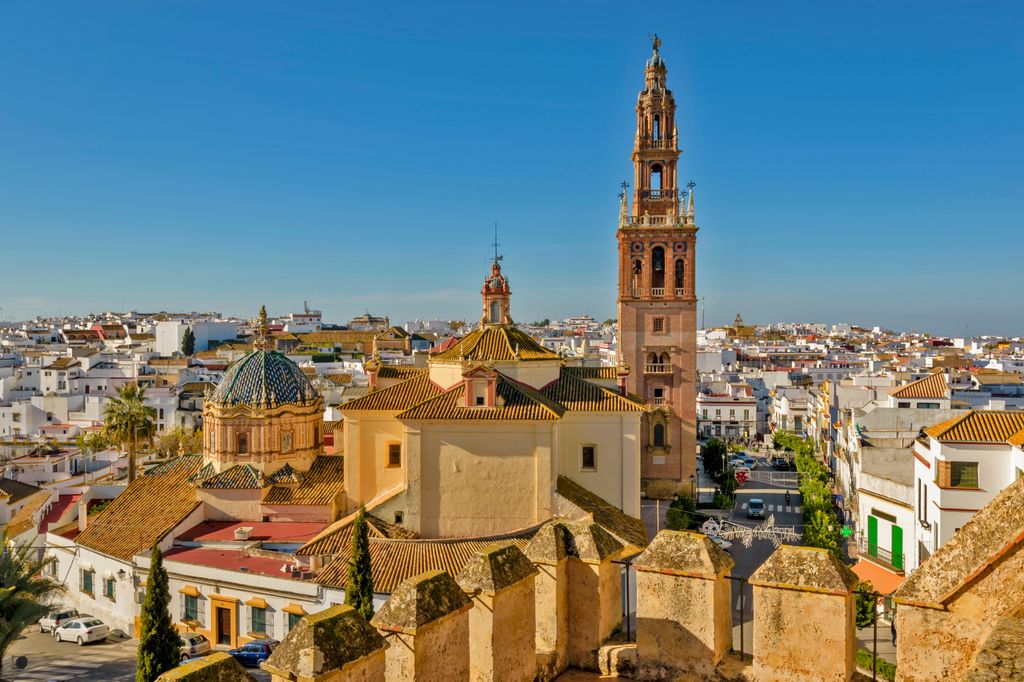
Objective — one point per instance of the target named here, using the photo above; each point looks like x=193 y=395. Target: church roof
x=587 y=372
x=338 y=536
x=579 y=395
x=398 y=397
x=321 y=485
x=264 y=378
x=496 y=342
x=400 y=371
x=520 y=403
x=238 y=477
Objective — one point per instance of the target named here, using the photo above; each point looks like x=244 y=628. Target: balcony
x=658 y=292
x=658 y=368
x=882 y=557
x=636 y=292
x=679 y=291
x=655 y=220
x=659 y=401
x=664 y=143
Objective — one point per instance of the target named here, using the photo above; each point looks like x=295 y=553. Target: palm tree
x=24 y=591
x=128 y=419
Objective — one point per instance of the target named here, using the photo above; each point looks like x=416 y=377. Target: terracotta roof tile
x=579 y=395
x=496 y=342
x=238 y=477
x=146 y=511
x=932 y=386
x=398 y=397
x=22 y=519
x=626 y=528
x=521 y=403
x=392 y=561
x=338 y=536
x=982 y=426
x=323 y=483
x=593 y=372
x=400 y=371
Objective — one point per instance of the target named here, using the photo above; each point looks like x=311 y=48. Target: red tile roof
x=217 y=531
x=230 y=560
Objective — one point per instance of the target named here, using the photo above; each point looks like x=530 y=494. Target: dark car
x=255 y=652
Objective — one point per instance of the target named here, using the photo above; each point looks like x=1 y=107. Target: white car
x=193 y=645
x=56 y=617
x=82 y=630
x=721 y=542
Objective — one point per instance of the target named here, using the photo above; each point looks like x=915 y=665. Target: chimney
x=243 y=532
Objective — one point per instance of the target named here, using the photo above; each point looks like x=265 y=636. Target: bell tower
x=657 y=299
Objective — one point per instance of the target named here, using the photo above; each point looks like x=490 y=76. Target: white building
x=730 y=414
x=960 y=465
x=170 y=333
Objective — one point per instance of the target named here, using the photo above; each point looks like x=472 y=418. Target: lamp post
x=693 y=488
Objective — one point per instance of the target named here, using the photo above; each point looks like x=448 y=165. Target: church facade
x=657 y=301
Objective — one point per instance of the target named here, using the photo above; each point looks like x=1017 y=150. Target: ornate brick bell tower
x=657 y=299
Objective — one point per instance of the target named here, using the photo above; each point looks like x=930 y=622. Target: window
x=658 y=268
x=495 y=312
x=479 y=400
x=293 y=620
x=286 y=441
x=705 y=414
x=746 y=414
x=258 y=621
x=655 y=180
x=927 y=406
x=108 y=589
x=86 y=583
x=902 y=404
x=395 y=455
x=588 y=459
x=160 y=414
x=659 y=324
x=243 y=443
x=656 y=129
x=957 y=475
x=732 y=414
x=680 y=276
x=399 y=518
x=659 y=396
x=190 y=608
x=659 y=435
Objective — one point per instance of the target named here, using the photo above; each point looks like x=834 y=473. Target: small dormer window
x=480 y=400
x=495 y=315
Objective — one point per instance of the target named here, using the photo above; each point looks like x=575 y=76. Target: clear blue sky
x=855 y=161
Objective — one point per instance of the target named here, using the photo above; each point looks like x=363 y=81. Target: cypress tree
x=359 y=588
x=159 y=643
x=188 y=342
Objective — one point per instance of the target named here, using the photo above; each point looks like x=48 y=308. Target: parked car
x=737 y=462
x=55 y=617
x=755 y=508
x=193 y=645
x=749 y=461
x=255 y=652
x=82 y=630
x=780 y=463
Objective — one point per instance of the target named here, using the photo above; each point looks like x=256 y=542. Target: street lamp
x=693 y=487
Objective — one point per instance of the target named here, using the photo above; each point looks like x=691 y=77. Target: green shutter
x=897 y=548
x=872 y=536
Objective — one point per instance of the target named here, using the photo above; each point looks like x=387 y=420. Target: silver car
x=193 y=645
x=82 y=630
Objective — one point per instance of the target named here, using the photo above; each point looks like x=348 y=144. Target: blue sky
x=854 y=161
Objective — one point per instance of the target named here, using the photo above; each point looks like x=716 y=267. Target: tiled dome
x=264 y=378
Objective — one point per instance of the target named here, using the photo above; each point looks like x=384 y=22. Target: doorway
x=223 y=625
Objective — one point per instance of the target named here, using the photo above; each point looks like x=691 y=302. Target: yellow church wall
x=228 y=505
x=477 y=479
x=367 y=437
x=616 y=476
x=446 y=374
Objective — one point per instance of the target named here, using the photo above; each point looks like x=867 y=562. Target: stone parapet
x=501 y=629
x=684 y=613
x=803 y=617
x=428 y=616
x=334 y=645
x=218 y=667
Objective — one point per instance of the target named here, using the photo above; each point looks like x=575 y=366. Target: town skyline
x=798 y=127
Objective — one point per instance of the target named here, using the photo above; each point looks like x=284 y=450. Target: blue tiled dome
x=264 y=379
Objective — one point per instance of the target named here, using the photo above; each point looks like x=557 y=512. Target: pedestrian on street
x=892 y=628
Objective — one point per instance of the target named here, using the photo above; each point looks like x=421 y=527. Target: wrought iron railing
x=885 y=557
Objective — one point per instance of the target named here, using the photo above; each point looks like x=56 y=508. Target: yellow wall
x=616 y=477
x=367 y=435
x=481 y=479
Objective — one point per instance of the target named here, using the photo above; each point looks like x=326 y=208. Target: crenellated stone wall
x=529 y=615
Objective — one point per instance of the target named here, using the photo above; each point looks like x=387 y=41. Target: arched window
x=161 y=414
x=652 y=358
x=243 y=443
x=656 y=180
x=658 y=267
x=656 y=132
x=495 y=312
x=665 y=359
x=659 y=435
x=638 y=274
x=680 y=274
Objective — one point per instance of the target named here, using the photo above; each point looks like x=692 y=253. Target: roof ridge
x=535 y=395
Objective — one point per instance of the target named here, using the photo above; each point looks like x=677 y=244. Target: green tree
x=188 y=342
x=680 y=514
x=128 y=420
x=159 y=643
x=180 y=440
x=822 y=530
x=713 y=455
x=359 y=587
x=867 y=604
x=24 y=590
